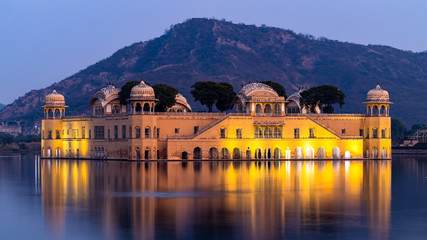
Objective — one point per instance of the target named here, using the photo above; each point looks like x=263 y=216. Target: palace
x=264 y=126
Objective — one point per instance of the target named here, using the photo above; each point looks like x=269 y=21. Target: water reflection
x=257 y=200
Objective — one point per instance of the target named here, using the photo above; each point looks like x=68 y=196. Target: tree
x=398 y=130
x=124 y=93
x=206 y=93
x=225 y=96
x=323 y=96
x=166 y=95
x=277 y=87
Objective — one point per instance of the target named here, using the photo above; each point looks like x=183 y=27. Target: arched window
x=147 y=133
x=258 y=110
x=236 y=153
x=267 y=110
x=267 y=154
x=197 y=153
x=116 y=109
x=277 y=132
x=146 y=107
x=277 y=153
x=184 y=155
x=382 y=111
x=137 y=132
x=57 y=113
x=298 y=153
x=321 y=153
x=258 y=132
x=268 y=132
x=225 y=154
x=138 y=108
x=213 y=153
x=309 y=153
x=336 y=153
x=277 y=110
x=258 y=153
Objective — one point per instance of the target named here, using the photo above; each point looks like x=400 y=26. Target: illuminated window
x=296 y=132
x=374 y=133
x=75 y=133
x=239 y=133
x=83 y=132
x=222 y=132
x=311 y=133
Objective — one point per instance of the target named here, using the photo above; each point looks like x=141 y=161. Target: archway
x=248 y=154
x=236 y=153
x=49 y=152
x=50 y=114
x=336 y=153
x=57 y=113
x=347 y=155
x=268 y=154
x=267 y=110
x=383 y=153
x=375 y=153
x=258 y=153
x=382 y=111
x=321 y=153
x=138 y=107
x=146 y=107
x=277 y=153
x=258 y=110
x=309 y=153
x=138 y=154
x=184 y=155
x=213 y=153
x=298 y=153
x=225 y=154
x=58 y=153
x=277 y=109
x=197 y=153
x=375 y=110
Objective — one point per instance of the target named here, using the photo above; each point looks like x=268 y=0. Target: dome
x=257 y=89
x=106 y=95
x=54 y=99
x=377 y=95
x=142 y=91
x=180 y=99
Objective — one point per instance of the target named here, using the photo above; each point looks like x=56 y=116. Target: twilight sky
x=45 y=41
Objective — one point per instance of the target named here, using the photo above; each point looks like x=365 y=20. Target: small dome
x=142 y=91
x=54 y=99
x=259 y=89
x=377 y=95
x=180 y=99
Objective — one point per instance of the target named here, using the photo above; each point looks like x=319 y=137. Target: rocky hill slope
x=207 y=49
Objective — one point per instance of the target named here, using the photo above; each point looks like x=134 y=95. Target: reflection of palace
x=262 y=200
x=265 y=126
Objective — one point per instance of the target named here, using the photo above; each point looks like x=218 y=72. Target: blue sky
x=44 y=41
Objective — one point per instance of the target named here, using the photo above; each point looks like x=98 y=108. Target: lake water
x=69 y=199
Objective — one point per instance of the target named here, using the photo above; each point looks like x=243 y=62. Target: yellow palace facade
x=263 y=126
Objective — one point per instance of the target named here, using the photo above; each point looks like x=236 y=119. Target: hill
x=208 y=49
x=2 y=106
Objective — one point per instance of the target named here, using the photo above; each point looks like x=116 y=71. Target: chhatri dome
x=377 y=95
x=142 y=91
x=54 y=99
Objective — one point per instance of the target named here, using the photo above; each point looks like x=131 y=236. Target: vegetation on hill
x=19 y=143
x=220 y=51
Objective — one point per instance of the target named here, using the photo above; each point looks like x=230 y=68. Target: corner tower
x=377 y=127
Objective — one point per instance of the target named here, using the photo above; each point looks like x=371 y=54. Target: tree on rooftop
x=225 y=96
x=206 y=93
x=124 y=93
x=166 y=95
x=276 y=87
x=323 y=96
